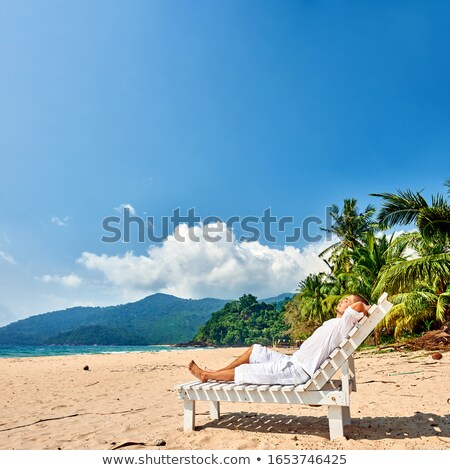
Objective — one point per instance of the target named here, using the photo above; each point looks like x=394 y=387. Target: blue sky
x=229 y=107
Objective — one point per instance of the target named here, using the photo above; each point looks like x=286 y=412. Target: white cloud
x=128 y=206
x=224 y=269
x=71 y=280
x=408 y=252
x=395 y=233
x=8 y=258
x=60 y=222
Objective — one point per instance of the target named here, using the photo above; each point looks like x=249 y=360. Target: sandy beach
x=402 y=402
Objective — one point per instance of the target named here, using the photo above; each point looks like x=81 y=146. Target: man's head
x=347 y=301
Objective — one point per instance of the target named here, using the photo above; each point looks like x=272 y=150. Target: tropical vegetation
x=245 y=321
x=412 y=265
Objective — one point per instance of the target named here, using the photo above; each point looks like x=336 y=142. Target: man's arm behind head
x=361 y=307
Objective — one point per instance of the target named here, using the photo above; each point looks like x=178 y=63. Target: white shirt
x=324 y=340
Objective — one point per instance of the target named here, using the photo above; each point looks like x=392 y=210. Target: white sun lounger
x=319 y=390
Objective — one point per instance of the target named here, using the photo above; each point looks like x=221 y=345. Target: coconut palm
x=368 y=259
x=414 y=268
x=414 y=309
x=305 y=310
x=406 y=207
x=349 y=225
x=313 y=291
x=413 y=261
x=417 y=276
x=418 y=273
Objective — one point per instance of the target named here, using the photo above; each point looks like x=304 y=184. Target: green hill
x=156 y=319
x=99 y=334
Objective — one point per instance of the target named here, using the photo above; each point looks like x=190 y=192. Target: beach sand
x=402 y=402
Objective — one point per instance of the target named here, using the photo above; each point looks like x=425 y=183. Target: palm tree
x=310 y=306
x=418 y=273
x=413 y=261
x=406 y=207
x=421 y=306
x=349 y=225
x=368 y=259
x=313 y=291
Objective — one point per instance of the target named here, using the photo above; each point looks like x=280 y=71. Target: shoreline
x=167 y=348
x=72 y=350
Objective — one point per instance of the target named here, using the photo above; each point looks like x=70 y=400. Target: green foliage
x=99 y=335
x=354 y=262
x=406 y=275
x=310 y=307
x=243 y=322
x=157 y=319
x=350 y=226
x=402 y=208
x=413 y=268
x=406 y=207
x=418 y=275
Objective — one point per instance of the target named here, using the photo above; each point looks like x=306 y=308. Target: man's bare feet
x=195 y=370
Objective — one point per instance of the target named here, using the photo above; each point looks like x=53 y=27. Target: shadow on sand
x=372 y=428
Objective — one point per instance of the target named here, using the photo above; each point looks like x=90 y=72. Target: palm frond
x=434 y=222
x=405 y=245
x=330 y=248
x=400 y=209
x=443 y=307
x=410 y=310
x=404 y=276
x=447 y=183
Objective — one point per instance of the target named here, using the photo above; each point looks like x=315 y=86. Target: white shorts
x=270 y=367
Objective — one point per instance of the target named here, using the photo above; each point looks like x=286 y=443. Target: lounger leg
x=351 y=366
x=346 y=415
x=214 y=409
x=189 y=415
x=336 y=421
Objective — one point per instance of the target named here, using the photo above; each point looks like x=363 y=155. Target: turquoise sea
x=34 y=351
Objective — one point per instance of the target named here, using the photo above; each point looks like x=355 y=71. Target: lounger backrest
x=348 y=346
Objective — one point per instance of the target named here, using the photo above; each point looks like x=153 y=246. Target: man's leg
x=262 y=354
x=281 y=372
x=243 y=359
x=226 y=375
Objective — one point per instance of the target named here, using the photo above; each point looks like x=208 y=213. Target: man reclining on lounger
x=261 y=365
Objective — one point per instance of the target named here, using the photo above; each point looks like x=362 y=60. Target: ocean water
x=36 y=351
